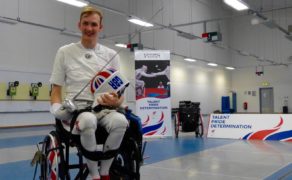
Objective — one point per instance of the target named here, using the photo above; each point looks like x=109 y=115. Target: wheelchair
x=55 y=151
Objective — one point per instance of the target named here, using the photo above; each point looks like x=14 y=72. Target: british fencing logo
x=88 y=56
x=100 y=78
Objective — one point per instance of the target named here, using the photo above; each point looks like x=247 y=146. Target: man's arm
x=57 y=109
x=164 y=72
x=56 y=94
x=148 y=75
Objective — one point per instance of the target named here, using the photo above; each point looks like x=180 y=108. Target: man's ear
x=101 y=27
x=79 y=25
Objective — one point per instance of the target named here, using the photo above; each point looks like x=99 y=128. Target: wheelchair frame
x=199 y=130
x=55 y=159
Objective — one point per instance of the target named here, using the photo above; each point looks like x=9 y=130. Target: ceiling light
x=78 y=3
x=121 y=45
x=139 y=22
x=255 y=21
x=8 y=21
x=190 y=59
x=237 y=4
x=230 y=68
x=212 y=64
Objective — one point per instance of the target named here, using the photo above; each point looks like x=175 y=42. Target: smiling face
x=90 y=27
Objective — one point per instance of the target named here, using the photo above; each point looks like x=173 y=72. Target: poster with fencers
x=152 y=89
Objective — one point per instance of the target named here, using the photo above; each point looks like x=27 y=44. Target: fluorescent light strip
x=190 y=60
x=140 y=22
x=230 y=68
x=237 y=4
x=212 y=64
x=77 y=3
x=121 y=45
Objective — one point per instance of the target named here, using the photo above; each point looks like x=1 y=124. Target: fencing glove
x=60 y=112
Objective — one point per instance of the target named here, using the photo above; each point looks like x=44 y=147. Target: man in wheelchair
x=96 y=105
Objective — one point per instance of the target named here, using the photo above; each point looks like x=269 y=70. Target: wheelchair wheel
x=51 y=166
x=126 y=165
x=176 y=125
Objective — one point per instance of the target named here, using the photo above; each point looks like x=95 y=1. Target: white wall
x=269 y=44
x=198 y=84
x=27 y=51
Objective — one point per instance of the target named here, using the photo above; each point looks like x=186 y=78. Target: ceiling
x=264 y=7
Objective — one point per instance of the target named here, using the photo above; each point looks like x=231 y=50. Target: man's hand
x=69 y=105
x=60 y=112
x=110 y=99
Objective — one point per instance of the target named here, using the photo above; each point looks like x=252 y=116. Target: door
x=266 y=100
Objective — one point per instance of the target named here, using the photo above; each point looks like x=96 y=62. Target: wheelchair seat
x=127 y=159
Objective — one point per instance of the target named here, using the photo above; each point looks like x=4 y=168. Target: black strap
x=98 y=155
x=100 y=107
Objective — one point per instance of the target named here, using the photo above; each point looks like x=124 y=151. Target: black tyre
x=176 y=125
x=126 y=165
x=51 y=167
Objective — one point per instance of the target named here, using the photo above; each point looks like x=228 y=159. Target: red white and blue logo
x=271 y=134
x=151 y=129
x=100 y=78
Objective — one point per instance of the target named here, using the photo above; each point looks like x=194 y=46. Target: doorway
x=266 y=100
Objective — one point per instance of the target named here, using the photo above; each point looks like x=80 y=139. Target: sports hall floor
x=185 y=158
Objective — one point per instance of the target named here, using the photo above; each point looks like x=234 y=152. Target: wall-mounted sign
x=265 y=83
x=251 y=126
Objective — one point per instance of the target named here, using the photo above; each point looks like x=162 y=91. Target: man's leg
x=116 y=124
x=85 y=125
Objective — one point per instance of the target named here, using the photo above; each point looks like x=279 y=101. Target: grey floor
x=246 y=160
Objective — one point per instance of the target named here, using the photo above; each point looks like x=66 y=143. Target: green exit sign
x=265 y=84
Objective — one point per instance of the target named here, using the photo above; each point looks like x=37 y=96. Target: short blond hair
x=87 y=10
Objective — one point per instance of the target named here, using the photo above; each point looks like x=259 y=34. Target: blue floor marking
x=284 y=173
x=22 y=170
x=163 y=149
x=17 y=170
x=158 y=150
x=25 y=129
x=18 y=142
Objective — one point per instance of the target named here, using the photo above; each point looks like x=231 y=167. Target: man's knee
x=119 y=121
x=86 y=120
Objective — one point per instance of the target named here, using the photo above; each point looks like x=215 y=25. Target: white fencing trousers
x=116 y=125
x=86 y=123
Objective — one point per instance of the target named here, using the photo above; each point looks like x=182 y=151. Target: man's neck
x=88 y=44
